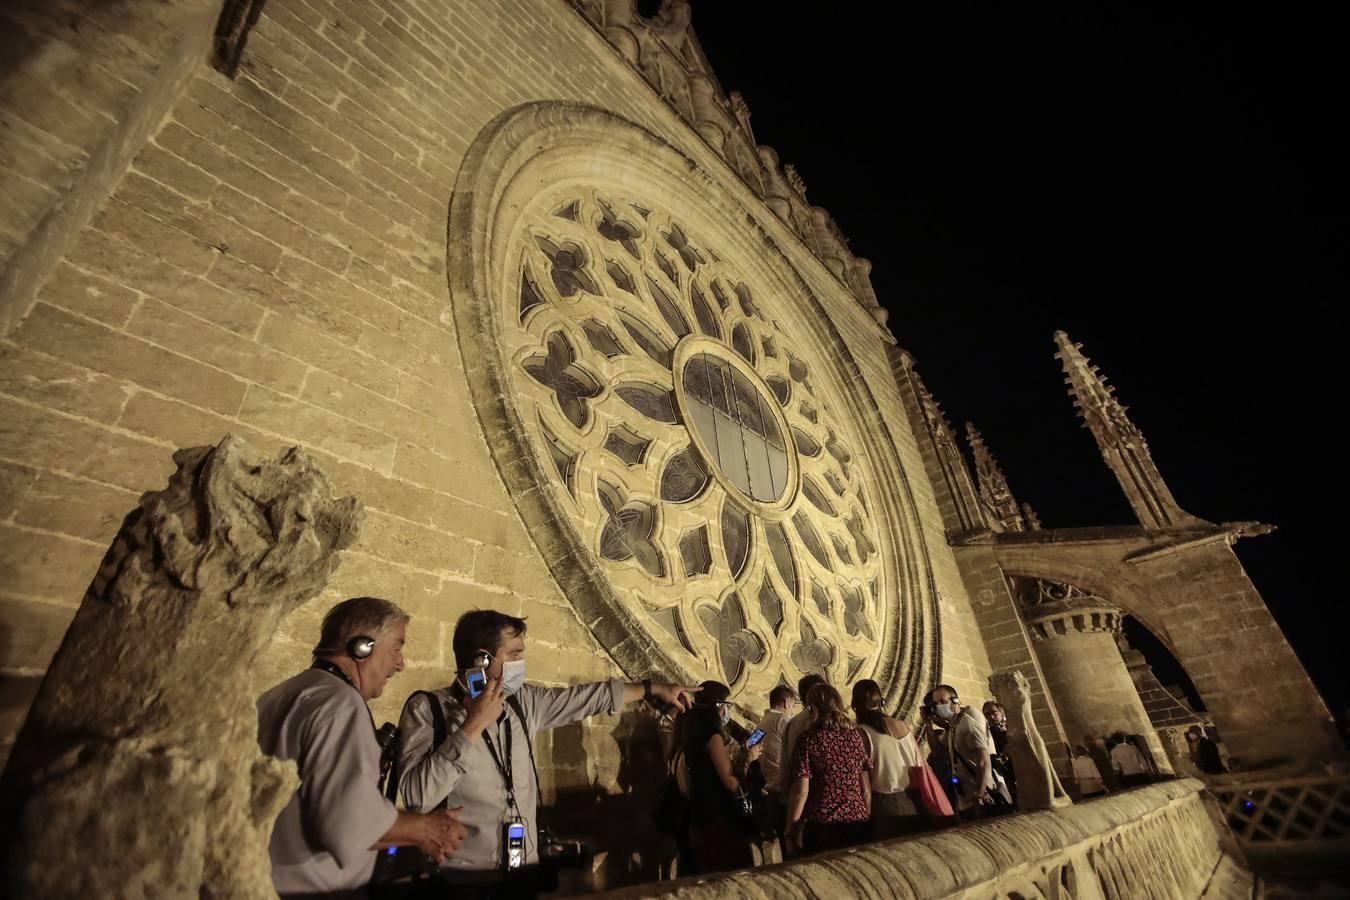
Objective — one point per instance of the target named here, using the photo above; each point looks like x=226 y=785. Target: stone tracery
x=660 y=379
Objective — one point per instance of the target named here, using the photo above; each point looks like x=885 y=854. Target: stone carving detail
x=1054 y=609
x=665 y=50
x=1038 y=786
x=1055 y=592
x=699 y=450
x=145 y=724
x=999 y=503
x=950 y=461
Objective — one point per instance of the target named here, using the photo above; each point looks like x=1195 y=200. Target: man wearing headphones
x=471 y=744
x=971 y=747
x=326 y=838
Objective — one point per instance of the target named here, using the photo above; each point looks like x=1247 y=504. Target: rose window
x=695 y=443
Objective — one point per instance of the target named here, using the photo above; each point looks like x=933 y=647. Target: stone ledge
x=1162 y=835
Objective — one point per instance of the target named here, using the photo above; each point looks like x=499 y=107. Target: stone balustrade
x=1157 y=841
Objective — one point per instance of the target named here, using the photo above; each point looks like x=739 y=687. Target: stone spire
x=948 y=464
x=1122 y=445
x=994 y=491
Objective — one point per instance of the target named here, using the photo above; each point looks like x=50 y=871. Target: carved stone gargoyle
x=1038 y=786
x=137 y=772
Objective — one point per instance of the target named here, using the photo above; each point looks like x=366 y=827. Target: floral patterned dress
x=834 y=762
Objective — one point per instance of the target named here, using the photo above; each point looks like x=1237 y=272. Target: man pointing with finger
x=475 y=749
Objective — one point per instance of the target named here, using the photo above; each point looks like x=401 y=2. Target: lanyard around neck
x=332 y=668
x=503 y=765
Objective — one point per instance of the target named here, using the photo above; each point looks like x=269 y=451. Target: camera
x=387 y=738
x=560 y=854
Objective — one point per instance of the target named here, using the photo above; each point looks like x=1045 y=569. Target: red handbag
x=925 y=791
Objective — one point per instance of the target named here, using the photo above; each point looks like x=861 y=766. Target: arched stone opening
x=1195 y=597
x=1075 y=634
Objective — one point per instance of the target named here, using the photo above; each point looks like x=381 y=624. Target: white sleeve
x=339 y=790
x=427 y=777
x=546 y=708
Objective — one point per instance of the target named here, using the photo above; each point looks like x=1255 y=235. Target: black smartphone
x=755 y=737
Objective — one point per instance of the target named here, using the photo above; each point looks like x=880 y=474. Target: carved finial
x=794 y=180
x=1033 y=521
x=956 y=478
x=1120 y=441
x=741 y=110
x=993 y=487
x=672 y=18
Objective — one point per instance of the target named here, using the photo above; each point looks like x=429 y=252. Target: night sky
x=1168 y=191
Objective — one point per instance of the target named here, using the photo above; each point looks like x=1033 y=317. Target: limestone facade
x=267 y=257
x=484 y=263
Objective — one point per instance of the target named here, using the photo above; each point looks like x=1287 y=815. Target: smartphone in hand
x=475 y=680
x=755 y=737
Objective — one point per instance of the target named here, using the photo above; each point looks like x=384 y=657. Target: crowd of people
x=813 y=775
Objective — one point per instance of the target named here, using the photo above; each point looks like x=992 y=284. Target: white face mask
x=513 y=675
x=726 y=715
x=944 y=710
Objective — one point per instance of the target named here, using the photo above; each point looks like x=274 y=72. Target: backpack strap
x=514 y=702
x=439 y=734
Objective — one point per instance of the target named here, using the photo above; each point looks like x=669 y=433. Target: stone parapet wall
x=1158 y=841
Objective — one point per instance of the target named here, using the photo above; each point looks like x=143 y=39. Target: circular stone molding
x=675 y=419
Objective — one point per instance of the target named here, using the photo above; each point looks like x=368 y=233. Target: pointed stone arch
x=1187 y=586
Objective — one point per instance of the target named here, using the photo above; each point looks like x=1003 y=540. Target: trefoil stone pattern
x=691 y=437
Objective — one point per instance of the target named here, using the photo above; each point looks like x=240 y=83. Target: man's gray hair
x=368 y=616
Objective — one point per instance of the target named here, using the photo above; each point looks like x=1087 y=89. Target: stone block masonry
x=265 y=256
x=271 y=263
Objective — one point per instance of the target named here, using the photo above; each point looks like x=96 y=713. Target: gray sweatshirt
x=463 y=770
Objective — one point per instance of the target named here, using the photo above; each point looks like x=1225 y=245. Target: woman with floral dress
x=830 y=802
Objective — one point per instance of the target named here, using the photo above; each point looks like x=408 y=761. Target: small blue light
x=1249 y=804
x=953 y=779
x=391 y=851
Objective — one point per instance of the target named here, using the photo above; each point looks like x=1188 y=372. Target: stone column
x=1074 y=636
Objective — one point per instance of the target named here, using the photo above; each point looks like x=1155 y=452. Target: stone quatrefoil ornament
x=694 y=440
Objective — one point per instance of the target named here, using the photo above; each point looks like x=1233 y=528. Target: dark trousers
x=1136 y=780
x=822 y=836
x=720 y=846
